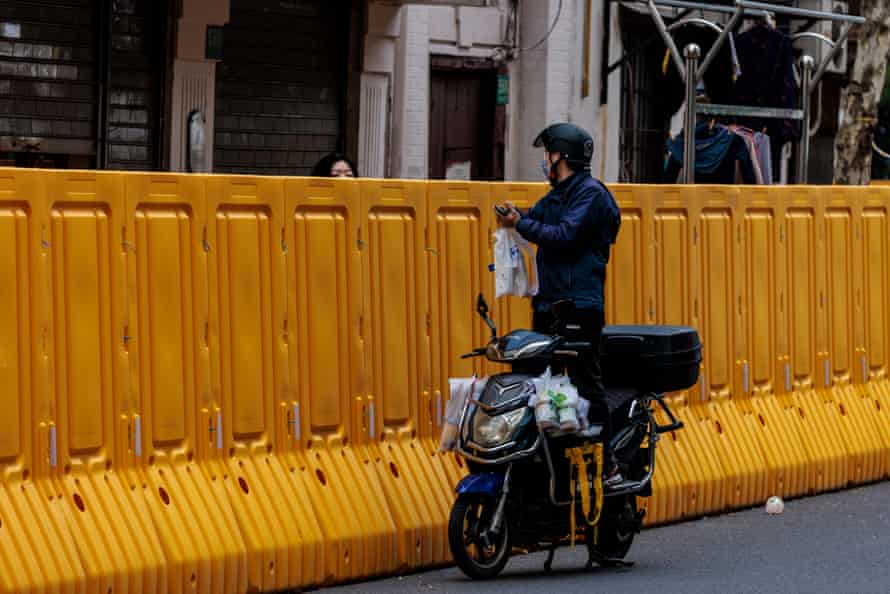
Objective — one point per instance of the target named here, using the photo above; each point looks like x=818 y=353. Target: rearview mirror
x=482 y=306
x=482 y=310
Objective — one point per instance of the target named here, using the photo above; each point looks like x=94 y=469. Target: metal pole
x=704 y=6
x=718 y=45
x=692 y=53
x=668 y=40
x=807 y=63
x=836 y=47
x=800 y=12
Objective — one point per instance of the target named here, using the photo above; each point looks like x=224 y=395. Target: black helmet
x=571 y=141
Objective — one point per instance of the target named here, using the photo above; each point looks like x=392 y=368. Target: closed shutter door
x=136 y=56
x=278 y=106
x=47 y=79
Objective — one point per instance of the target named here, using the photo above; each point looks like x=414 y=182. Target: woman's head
x=335 y=165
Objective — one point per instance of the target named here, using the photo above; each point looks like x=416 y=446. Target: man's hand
x=509 y=221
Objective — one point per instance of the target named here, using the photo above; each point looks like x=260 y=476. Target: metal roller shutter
x=279 y=86
x=47 y=80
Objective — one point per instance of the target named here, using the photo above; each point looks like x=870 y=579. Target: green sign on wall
x=503 y=97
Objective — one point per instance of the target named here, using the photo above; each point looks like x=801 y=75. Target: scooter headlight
x=492 y=431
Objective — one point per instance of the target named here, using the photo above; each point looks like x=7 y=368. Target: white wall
x=545 y=82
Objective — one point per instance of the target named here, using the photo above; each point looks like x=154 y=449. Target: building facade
x=410 y=88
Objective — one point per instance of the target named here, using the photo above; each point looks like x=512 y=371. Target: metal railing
x=689 y=62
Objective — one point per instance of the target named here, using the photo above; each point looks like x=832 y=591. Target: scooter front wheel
x=479 y=553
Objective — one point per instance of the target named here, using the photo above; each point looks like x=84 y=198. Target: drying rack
x=692 y=68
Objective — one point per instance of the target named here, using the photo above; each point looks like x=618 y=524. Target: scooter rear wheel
x=617 y=528
x=479 y=554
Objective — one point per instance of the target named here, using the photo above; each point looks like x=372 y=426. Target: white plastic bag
x=567 y=408
x=545 y=413
x=583 y=412
x=510 y=269
x=461 y=389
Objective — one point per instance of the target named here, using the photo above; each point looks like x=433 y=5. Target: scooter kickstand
x=548 y=564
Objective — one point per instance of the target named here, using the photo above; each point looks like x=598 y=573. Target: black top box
x=650 y=358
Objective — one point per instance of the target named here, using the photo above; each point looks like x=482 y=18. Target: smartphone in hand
x=502 y=210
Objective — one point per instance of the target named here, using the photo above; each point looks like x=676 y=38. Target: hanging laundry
x=764 y=155
x=717 y=152
x=767 y=80
x=747 y=135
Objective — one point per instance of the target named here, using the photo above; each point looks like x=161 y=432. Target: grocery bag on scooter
x=557 y=404
x=510 y=269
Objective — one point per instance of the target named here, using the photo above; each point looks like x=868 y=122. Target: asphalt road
x=834 y=543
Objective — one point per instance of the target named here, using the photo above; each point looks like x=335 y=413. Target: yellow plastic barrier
x=332 y=414
x=232 y=383
x=172 y=410
x=37 y=550
x=88 y=387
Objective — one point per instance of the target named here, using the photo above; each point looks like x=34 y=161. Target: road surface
x=834 y=543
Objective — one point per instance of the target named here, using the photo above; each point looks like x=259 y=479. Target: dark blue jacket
x=574 y=227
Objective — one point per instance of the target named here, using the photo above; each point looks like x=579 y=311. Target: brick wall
x=411 y=97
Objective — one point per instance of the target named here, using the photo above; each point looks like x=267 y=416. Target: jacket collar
x=568 y=183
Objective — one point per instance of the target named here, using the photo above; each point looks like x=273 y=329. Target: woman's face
x=342 y=169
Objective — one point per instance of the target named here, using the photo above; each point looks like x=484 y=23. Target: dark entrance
x=466 y=125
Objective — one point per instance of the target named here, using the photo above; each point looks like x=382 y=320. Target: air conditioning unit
x=830 y=29
x=479 y=3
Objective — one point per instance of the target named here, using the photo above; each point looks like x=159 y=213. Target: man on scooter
x=573 y=226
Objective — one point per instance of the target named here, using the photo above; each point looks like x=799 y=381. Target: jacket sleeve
x=570 y=232
x=534 y=212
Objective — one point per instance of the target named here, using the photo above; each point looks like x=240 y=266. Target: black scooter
x=529 y=491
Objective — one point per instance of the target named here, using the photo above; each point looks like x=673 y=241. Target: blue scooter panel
x=483 y=483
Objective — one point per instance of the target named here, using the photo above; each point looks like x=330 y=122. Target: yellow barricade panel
x=668 y=486
x=865 y=445
x=628 y=296
x=802 y=300
x=878 y=393
x=776 y=429
x=174 y=415
x=333 y=417
x=822 y=440
x=460 y=223
x=839 y=271
x=324 y=280
x=394 y=266
x=673 y=263
x=223 y=383
x=86 y=216
x=37 y=550
x=394 y=273
x=761 y=296
x=874 y=256
x=248 y=288
x=743 y=463
x=721 y=300
x=15 y=321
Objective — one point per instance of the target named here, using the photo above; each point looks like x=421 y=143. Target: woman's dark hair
x=323 y=167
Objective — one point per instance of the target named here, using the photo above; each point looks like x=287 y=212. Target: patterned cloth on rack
x=718 y=151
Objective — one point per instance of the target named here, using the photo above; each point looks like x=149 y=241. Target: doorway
x=465 y=138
